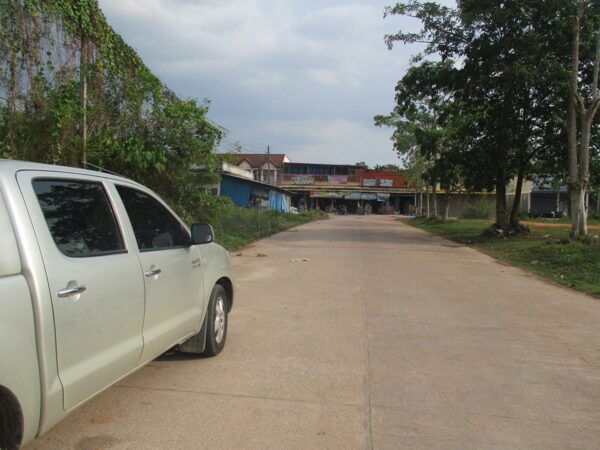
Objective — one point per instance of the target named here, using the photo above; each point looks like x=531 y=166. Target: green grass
x=547 y=252
x=237 y=227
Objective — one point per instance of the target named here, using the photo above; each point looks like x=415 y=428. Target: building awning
x=349 y=190
x=379 y=196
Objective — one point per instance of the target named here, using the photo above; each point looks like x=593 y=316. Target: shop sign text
x=303 y=180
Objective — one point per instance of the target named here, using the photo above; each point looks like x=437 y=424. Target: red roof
x=258 y=160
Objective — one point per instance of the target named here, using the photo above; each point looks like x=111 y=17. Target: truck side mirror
x=202 y=233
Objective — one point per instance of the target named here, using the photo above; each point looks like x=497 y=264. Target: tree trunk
x=580 y=214
x=447 y=207
x=572 y=126
x=427 y=214
x=584 y=173
x=516 y=206
x=434 y=198
x=502 y=219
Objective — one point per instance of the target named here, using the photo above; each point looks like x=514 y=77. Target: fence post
x=258 y=221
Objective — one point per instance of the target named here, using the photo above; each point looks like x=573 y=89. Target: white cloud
x=306 y=75
x=337 y=141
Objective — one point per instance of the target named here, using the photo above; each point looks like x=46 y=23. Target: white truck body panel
x=19 y=368
x=59 y=349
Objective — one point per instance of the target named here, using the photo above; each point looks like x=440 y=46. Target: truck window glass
x=154 y=226
x=79 y=216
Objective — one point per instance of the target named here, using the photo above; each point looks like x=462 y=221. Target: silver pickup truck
x=97 y=277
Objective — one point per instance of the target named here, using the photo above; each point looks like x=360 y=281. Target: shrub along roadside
x=546 y=251
x=236 y=227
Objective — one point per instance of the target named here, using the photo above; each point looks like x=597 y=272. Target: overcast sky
x=305 y=77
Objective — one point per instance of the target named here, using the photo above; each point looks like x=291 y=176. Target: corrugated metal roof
x=267 y=185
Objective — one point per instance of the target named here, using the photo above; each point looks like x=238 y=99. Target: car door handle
x=152 y=273
x=70 y=291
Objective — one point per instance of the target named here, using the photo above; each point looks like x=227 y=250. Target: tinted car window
x=154 y=226
x=79 y=217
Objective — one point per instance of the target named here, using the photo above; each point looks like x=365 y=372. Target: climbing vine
x=135 y=125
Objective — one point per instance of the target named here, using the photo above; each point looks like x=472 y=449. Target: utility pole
x=268 y=163
x=83 y=68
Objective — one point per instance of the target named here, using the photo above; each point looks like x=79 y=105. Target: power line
x=215 y=124
x=244 y=148
x=235 y=145
x=228 y=135
x=247 y=144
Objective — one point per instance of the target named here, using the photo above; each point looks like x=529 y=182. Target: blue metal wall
x=238 y=190
x=278 y=202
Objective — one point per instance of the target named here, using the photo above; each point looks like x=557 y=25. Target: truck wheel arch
x=228 y=286
x=11 y=420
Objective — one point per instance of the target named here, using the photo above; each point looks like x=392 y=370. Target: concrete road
x=362 y=332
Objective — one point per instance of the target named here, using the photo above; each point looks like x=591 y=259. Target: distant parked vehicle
x=97 y=277
x=548 y=214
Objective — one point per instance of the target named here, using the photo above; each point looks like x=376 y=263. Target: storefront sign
x=367 y=196
x=383 y=197
x=337 y=179
x=386 y=183
x=353 y=196
x=369 y=182
x=303 y=180
x=321 y=194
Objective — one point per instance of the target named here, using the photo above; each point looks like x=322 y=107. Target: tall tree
x=422 y=101
x=581 y=113
x=500 y=106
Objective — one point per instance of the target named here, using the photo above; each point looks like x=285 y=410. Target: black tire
x=216 y=321
x=11 y=421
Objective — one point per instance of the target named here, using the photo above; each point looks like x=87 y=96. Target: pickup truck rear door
x=95 y=281
x=172 y=268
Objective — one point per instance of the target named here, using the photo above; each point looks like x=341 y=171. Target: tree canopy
x=495 y=75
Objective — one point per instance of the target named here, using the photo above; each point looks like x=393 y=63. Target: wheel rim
x=219 y=320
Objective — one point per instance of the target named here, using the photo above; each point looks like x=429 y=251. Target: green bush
x=235 y=226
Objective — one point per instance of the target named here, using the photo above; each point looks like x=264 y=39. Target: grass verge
x=546 y=251
x=237 y=227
